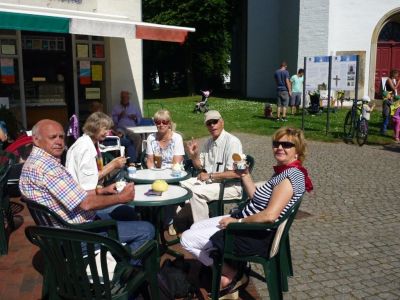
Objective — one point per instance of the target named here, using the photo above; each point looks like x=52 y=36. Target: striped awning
x=62 y=21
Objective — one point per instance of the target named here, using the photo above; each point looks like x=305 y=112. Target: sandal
x=231 y=291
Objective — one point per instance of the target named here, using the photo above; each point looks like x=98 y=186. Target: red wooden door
x=387 y=58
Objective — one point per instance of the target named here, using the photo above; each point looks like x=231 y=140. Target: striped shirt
x=263 y=194
x=45 y=180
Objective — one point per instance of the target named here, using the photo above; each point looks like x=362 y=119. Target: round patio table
x=149 y=175
x=173 y=196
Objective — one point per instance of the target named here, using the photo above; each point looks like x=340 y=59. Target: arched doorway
x=387 y=54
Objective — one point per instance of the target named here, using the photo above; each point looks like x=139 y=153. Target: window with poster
x=90 y=57
x=9 y=75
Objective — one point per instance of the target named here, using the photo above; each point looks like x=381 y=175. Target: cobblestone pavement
x=349 y=248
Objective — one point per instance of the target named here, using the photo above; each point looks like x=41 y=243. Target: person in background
x=396 y=125
x=165 y=142
x=296 y=81
x=367 y=107
x=96 y=106
x=392 y=83
x=126 y=114
x=284 y=91
x=386 y=104
x=45 y=180
x=266 y=204
x=3 y=134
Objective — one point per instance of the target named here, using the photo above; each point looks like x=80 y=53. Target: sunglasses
x=285 y=145
x=211 y=122
x=159 y=122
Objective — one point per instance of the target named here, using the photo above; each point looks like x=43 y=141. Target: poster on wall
x=8 y=49
x=82 y=50
x=97 y=72
x=92 y=93
x=7 y=71
x=344 y=72
x=84 y=72
x=317 y=72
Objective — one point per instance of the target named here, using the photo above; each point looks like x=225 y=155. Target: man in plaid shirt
x=45 y=180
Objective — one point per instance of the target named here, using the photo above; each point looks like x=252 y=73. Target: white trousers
x=196 y=240
x=204 y=193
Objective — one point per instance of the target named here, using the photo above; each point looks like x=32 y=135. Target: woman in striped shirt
x=267 y=204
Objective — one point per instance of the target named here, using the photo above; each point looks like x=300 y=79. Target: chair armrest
x=109 y=226
x=225 y=182
x=251 y=226
x=232 y=228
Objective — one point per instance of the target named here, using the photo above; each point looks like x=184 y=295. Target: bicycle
x=355 y=123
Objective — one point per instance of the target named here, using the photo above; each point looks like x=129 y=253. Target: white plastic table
x=149 y=175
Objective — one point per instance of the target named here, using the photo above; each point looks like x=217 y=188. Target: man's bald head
x=49 y=136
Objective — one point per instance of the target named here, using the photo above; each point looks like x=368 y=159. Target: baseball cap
x=366 y=99
x=212 y=115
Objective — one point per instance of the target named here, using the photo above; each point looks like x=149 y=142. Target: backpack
x=173 y=281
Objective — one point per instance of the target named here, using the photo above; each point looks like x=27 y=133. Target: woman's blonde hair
x=165 y=115
x=296 y=136
x=95 y=122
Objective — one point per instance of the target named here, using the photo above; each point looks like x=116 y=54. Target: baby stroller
x=314 y=107
x=202 y=106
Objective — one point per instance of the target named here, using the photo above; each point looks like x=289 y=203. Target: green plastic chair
x=217 y=207
x=275 y=274
x=6 y=216
x=43 y=216
x=82 y=267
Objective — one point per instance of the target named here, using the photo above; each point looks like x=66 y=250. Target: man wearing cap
x=216 y=163
x=124 y=115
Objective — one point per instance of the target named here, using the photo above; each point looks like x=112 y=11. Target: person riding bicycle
x=367 y=107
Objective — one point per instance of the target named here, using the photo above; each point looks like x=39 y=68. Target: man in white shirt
x=216 y=163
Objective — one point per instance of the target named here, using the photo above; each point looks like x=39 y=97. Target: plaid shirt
x=45 y=180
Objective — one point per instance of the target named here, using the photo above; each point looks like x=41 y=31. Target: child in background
x=268 y=111
x=396 y=125
x=367 y=107
x=387 y=103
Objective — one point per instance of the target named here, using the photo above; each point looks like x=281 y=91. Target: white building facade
x=290 y=30
x=59 y=56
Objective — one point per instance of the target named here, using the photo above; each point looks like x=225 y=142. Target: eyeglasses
x=211 y=122
x=159 y=122
x=285 y=145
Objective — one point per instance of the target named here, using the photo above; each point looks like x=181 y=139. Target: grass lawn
x=247 y=116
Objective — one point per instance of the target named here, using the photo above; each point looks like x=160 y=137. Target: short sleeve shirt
x=280 y=79
x=297 y=83
x=45 y=180
x=216 y=156
x=175 y=147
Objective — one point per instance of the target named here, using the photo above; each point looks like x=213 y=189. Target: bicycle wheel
x=348 y=126
x=362 y=131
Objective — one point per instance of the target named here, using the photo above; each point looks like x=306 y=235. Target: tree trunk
x=189 y=70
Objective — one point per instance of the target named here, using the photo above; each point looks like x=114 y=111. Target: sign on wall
x=344 y=72
x=317 y=72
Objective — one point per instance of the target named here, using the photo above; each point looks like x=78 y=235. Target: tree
x=204 y=58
